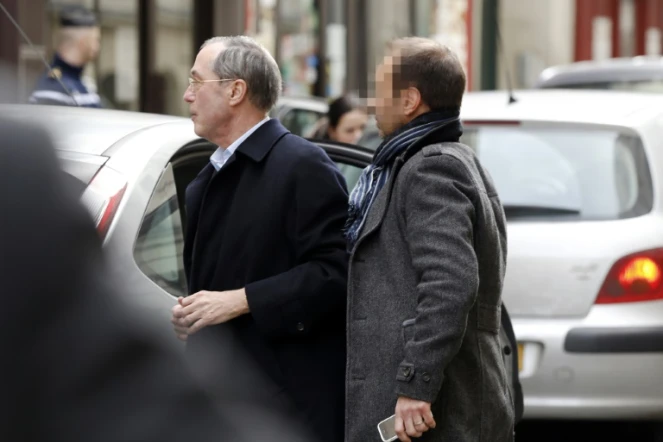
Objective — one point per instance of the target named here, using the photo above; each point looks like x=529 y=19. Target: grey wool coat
x=424 y=297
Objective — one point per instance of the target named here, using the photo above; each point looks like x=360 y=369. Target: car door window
x=299 y=121
x=160 y=242
x=350 y=172
x=350 y=161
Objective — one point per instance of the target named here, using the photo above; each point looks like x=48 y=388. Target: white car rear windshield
x=564 y=172
x=650 y=86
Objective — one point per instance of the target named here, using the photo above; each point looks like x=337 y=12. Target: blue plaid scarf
x=376 y=174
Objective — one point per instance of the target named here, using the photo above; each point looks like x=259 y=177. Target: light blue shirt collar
x=221 y=155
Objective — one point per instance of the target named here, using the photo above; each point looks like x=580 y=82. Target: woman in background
x=345 y=121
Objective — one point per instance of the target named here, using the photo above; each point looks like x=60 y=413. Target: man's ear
x=237 y=92
x=411 y=98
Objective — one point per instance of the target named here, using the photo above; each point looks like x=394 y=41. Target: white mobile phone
x=387 y=429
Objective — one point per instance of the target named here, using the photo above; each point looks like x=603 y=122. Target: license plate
x=521 y=356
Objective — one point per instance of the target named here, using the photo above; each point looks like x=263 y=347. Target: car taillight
x=634 y=278
x=102 y=198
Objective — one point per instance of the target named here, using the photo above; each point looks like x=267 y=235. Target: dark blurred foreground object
x=79 y=365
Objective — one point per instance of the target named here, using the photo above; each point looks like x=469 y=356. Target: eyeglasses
x=196 y=84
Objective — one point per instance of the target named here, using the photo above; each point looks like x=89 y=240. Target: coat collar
x=379 y=207
x=258 y=145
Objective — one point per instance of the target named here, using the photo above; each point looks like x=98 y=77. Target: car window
x=371 y=139
x=299 y=121
x=159 y=246
x=564 y=172
x=654 y=86
x=350 y=172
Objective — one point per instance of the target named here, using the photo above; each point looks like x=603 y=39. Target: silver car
x=580 y=176
x=635 y=74
x=132 y=170
x=300 y=115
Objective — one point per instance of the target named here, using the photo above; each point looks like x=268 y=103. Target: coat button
x=426 y=377
x=300 y=326
x=406 y=371
x=507 y=350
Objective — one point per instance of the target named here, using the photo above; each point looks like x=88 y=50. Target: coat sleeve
x=439 y=214
x=314 y=291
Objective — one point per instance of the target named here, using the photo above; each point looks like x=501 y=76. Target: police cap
x=77 y=16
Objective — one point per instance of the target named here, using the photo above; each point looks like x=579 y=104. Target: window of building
x=173 y=54
x=298 y=44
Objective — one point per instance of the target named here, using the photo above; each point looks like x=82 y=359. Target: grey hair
x=246 y=59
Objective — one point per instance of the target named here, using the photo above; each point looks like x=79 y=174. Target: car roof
x=315 y=104
x=617 y=108
x=630 y=69
x=85 y=130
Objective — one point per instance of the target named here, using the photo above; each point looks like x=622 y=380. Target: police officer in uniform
x=77 y=45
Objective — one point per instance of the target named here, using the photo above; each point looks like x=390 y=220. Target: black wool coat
x=271 y=221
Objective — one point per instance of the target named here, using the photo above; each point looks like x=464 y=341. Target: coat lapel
x=378 y=210
x=194 y=198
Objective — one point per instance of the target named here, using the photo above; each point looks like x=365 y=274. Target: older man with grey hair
x=264 y=253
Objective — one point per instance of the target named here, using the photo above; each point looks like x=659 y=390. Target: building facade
x=324 y=47
x=327 y=47
x=542 y=33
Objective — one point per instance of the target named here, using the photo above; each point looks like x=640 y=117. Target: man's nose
x=370 y=105
x=189 y=96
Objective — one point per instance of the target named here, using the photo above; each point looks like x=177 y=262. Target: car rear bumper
x=608 y=409
x=608 y=365
x=611 y=340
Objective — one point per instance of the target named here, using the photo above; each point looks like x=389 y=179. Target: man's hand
x=205 y=308
x=413 y=418
x=179 y=323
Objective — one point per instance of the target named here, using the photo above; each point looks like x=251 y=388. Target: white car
x=131 y=170
x=300 y=114
x=579 y=174
x=636 y=74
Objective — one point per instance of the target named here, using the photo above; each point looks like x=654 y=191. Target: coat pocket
x=408 y=331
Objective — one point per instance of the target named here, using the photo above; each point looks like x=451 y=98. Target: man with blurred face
x=427 y=238
x=78 y=44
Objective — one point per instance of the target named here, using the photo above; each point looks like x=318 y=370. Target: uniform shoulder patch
x=56 y=73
